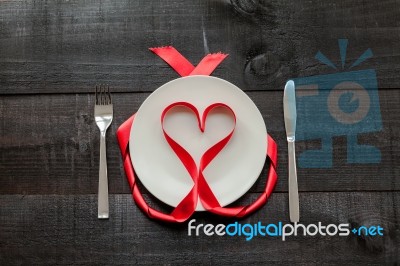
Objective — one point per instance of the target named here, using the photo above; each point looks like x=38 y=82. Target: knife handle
x=294 y=212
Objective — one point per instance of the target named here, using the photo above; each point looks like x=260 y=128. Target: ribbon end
x=221 y=53
x=160 y=47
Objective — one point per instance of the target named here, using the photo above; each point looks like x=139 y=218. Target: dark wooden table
x=53 y=53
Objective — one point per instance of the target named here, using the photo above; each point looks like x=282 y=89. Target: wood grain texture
x=64 y=230
x=53 y=53
x=68 y=46
x=50 y=145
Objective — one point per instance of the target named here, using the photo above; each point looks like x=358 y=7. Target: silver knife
x=289 y=110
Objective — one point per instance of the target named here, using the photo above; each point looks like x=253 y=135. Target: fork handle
x=102 y=210
x=294 y=212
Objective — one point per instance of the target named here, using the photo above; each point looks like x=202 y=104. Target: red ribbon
x=183 y=67
x=200 y=187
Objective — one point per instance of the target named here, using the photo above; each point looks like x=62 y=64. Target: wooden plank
x=49 y=144
x=55 y=229
x=68 y=47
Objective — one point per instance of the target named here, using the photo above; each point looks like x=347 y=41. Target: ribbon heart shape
x=200 y=187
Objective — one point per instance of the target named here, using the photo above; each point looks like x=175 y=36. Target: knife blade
x=290 y=114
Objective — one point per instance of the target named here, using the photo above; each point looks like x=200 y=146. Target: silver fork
x=103 y=114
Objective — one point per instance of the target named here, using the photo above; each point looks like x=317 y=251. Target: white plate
x=235 y=169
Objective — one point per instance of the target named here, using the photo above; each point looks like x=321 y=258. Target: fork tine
x=96 y=97
x=109 y=94
x=102 y=95
x=103 y=102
